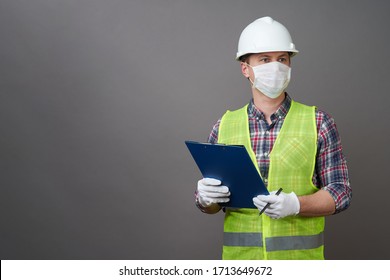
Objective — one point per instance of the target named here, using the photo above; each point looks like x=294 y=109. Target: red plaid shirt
x=331 y=172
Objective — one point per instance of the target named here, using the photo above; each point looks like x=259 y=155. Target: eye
x=283 y=60
x=264 y=59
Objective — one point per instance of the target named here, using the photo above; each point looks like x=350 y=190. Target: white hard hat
x=265 y=35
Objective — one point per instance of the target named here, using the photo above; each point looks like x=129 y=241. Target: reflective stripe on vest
x=243 y=239
x=295 y=242
x=255 y=239
x=292 y=161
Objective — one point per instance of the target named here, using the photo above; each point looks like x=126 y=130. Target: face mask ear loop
x=253 y=84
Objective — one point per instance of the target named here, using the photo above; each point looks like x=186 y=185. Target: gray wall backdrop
x=97 y=98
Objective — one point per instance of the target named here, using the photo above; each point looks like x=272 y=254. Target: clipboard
x=233 y=166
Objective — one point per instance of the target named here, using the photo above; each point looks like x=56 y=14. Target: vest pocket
x=294 y=153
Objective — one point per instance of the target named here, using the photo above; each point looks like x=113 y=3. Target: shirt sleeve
x=331 y=165
x=213 y=137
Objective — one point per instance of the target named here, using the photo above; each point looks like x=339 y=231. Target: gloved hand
x=282 y=205
x=210 y=191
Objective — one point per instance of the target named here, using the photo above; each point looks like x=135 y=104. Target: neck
x=267 y=105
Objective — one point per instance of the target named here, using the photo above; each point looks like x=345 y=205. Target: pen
x=268 y=204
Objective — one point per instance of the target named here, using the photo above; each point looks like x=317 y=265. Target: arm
x=331 y=173
x=320 y=203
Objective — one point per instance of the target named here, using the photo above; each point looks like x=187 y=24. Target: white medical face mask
x=271 y=78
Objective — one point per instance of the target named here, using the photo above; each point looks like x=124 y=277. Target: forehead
x=271 y=54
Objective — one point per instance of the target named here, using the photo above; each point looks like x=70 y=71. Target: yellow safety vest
x=292 y=161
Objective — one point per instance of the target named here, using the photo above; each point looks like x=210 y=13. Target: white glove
x=282 y=205
x=210 y=191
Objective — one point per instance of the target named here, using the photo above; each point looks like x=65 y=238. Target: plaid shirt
x=331 y=172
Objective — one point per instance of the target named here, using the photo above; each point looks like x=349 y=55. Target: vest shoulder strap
x=232 y=120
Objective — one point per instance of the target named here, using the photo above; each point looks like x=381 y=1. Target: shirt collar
x=281 y=112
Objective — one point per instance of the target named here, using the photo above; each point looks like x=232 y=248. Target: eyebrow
x=266 y=55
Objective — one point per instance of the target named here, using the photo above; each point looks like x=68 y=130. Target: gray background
x=97 y=98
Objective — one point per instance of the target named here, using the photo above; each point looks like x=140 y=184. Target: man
x=296 y=147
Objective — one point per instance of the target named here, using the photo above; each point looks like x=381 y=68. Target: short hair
x=245 y=57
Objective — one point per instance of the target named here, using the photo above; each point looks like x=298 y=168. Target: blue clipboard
x=233 y=166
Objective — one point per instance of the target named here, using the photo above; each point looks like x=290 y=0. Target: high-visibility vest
x=292 y=161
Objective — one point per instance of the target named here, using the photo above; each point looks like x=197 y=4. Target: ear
x=245 y=69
